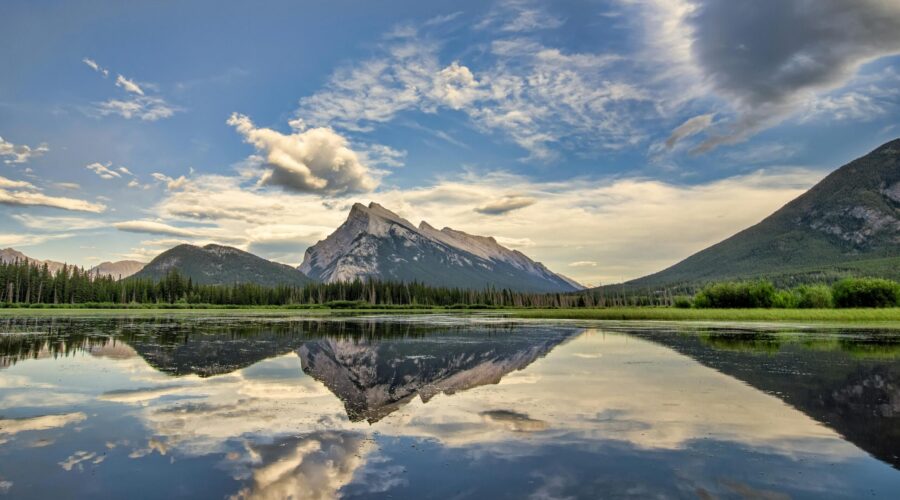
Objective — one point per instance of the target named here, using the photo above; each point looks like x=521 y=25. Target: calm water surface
x=443 y=407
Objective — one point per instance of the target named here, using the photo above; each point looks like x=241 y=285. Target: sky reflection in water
x=228 y=407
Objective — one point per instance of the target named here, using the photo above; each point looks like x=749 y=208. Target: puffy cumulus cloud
x=316 y=466
x=540 y=97
x=505 y=205
x=456 y=86
x=21 y=193
x=20 y=153
x=713 y=47
x=627 y=225
x=315 y=160
x=128 y=85
x=104 y=171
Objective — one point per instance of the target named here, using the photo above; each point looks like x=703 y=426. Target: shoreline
x=889 y=316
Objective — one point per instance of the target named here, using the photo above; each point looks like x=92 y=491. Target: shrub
x=682 y=302
x=813 y=297
x=734 y=295
x=785 y=299
x=866 y=292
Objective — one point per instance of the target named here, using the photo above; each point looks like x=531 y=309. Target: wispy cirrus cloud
x=22 y=193
x=20 y=153
x=542 y=98
x=138 y=105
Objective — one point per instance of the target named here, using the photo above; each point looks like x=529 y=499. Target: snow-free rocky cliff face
x=377 y=243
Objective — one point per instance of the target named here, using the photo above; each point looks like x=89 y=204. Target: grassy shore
x=868 y=316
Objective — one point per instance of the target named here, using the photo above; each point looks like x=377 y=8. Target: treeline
x=848 y=292
x=24 y=283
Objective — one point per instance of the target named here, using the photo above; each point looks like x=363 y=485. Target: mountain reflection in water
x=434 y=408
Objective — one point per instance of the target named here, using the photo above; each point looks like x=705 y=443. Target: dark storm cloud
x=765 y=54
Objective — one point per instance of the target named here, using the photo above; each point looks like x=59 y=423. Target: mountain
x=118 y=270
x=849 y=223
x=375 y=242
x=221 y=265
x=375 y=377
x=9 y=255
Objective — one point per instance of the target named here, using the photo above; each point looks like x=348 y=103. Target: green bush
x=866 y=292
x=682 y=302
x=813 y=297
x=785 y=299
x=737 y=295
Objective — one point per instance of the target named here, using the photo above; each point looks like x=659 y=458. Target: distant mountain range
x=849 y=223
x=221 y=265
x=376 y=243
x=117 y=270
x=10 y=255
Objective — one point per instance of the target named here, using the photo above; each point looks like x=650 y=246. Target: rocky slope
x=849 y=222
x=375 y=242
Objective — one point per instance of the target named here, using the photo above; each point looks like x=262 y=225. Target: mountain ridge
x=220 y=265
x=375 y=242
x=849 y=222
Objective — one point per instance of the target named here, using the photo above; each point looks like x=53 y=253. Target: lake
x=444 y=407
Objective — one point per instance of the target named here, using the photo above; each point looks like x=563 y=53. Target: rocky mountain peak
x=377 y=242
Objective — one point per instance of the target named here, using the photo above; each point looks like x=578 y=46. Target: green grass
x=890 y=316
x=673 y=314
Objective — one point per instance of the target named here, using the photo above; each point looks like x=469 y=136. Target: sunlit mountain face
x=434 y=406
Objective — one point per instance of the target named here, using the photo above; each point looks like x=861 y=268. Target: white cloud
x=146 y=108
x=154 y=227
x=519 y=16
x=45 y=223
x=172 y=183
x=104 y=171
x=20 y=153
x=40 y=423
x=604 y=221
x=21 y=193
x=583 y=263
x=141 y=106
x=316 y=160
x=128 y=85
x=540 y=97
x=95 y=66
x=379 y=154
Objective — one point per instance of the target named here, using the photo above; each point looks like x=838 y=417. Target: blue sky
x=607 y=139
